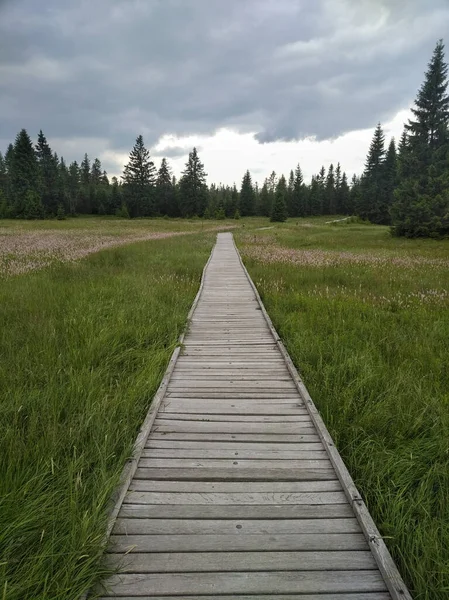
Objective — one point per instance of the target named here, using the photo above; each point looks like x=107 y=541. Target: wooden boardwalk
x=237 y=491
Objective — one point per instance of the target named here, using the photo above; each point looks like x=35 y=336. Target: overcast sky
x=258 y=84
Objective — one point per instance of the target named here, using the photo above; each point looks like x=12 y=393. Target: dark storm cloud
x=111 y=69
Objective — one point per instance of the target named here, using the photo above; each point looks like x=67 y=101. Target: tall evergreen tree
x=280 y=213
x=247 y=199
x=264 y=208
x=48 y=175
x=164 y=191
x=299 y=201
x=193 y=187
x=74 y=187
x=321 y=192
x=421 y=206
x=24 y=178
x=63 y=186
x=390 y=176
x=330 y=205
x=373 y=205
x=139 y=179
x=344 y=196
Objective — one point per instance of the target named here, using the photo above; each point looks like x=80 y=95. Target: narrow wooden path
x=238 y=491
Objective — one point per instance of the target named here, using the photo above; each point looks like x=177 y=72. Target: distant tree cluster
x=406 y=187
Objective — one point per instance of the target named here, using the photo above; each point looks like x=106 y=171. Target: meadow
x=365 y=319
x=90 y=312
x=83 y=347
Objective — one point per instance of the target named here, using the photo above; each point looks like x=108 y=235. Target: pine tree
x=421 y=206
x=24 y=176
x=85 y=195
x=390 y=177
x=264 y=208
x=165 y=196
x=290 y=194
x=280 y=212
x=330 y=207
x=73 y=187
x=48 y=174
x=299 y=194
x=193 y=188
x=338 y=200
x=345 y=196
x=139 y=179
x=247 y=199
x=372 y=203
x=321 y=193
x=116 y=196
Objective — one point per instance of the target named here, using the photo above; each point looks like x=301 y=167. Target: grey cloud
x=285 y=69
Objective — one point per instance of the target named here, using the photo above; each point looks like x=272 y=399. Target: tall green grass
x=372 y=345
x=83 y=348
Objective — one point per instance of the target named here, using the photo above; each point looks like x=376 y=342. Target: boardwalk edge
x=384 y=560
x=130 y=467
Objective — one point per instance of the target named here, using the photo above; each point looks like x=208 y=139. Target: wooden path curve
x=236 y=490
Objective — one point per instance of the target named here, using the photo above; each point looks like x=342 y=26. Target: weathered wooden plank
x=220 y=498
x=238 y=543
x=179 y=416
x=237 y=437
x=233 y=511
x=125 y=526
x=230 y=446
x=184 y=453
x=230 y=408
x=343 y=596
x=200 y=562
x=235 y=463
x=284 y=582
x=247 y=487
x=230 y=384
x=175 y=426
x=224 y=474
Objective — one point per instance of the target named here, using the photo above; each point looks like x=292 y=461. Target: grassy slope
x=83 y=347
x=372 y=343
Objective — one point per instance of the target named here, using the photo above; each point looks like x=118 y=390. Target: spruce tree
x=280 y=212
x=139 y=179
x=321 y=193
x=346 y=207
x=63 y=184
x=164 y=191
x=85 y=195
x=73 y=187
x=373 y=203
x=48 y=174
x=338 y=200
x=290 y=196
x=330 y=207
x=298 y=206
x=390 y=176
x=421 y=206
x=193 y=192
x=264 y=209
x=247 y=199
x=24 y=177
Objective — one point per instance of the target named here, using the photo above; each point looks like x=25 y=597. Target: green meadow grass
x=83 y=348
x=369 y=333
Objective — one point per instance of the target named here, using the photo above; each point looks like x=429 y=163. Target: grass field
x=86 y=336
x=83 y=347
x=365 y=318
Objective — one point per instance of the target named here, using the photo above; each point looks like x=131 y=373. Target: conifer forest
x=405 y=182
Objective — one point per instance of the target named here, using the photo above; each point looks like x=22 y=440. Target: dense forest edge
x=404 y=185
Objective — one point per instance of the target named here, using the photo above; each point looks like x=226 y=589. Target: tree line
x=406 y=187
